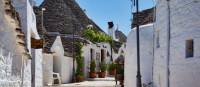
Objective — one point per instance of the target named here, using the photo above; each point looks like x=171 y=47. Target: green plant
x=120 y=70
x=79 y=59
x=92 y=66
x=95 y=36
x=103 y=66
x=111 y=67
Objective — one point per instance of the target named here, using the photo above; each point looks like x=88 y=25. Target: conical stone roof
x=64 y=16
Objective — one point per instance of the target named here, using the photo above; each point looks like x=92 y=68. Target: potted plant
x=79 y=70
x=80 y=62
x=112 y=69
x=103 y=67
x=79 y=76
x=120 y=75
x=92 y=72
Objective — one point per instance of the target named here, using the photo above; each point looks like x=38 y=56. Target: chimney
x=110 y=25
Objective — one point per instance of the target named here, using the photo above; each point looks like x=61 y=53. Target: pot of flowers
x=112 y=69
x=103 y=67
x=92 y=73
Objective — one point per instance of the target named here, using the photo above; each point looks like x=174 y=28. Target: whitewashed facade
x=146 y=58
x=175 y=52
x=97 y=52
x=14 y=56
x=56 y=62
x=184 y=27
x=28 y=23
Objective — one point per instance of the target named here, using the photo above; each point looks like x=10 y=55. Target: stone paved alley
x=89 y=84
x=97 y=82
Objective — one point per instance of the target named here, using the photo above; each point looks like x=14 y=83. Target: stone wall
x=10 y=74
x=7 y=79
x=185 y=20
x=146 y=56
x=96 y=55
x=47 y=69
x=37 y=67
x=15 y=63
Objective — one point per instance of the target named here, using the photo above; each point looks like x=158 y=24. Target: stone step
x=102 y=79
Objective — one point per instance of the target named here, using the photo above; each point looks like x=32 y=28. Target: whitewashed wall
x=11 y=75
x=37 y=70
x=28 y=20
x=87 y=55
x=26 y=73
x=28 y=23
x=146 y=56
x=66 y=69
x=185 y=20
x=47 y=69
x=7 y=79
x=61 y=64
x=20 y=64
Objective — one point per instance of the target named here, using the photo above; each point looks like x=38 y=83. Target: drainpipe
x=168 y=42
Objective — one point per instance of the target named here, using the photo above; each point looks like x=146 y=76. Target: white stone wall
x=16 y=69
x=185 y=20
x=87 y=55
x=66 y=70
x=160 y=53
x=28 y=20
x=47 y=68
x=7 y=79
x=146 y=57
x=12 y=75
x=37 y=70
x=7 y=31
x=26 y=73
x=61 y=64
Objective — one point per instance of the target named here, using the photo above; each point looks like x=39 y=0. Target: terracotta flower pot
x=102 y=74
x=79 y=78
x=120 y=77
x=92 y=74
x=113 y=72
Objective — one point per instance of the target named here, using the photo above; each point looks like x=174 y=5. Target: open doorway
x=102 y=55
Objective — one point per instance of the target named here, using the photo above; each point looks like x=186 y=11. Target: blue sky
x=118 y=11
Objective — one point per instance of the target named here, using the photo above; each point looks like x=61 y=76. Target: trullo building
x=169 y=47
x=146 y=45
x=177 y=31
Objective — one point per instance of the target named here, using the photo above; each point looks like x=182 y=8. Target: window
x=189 y=48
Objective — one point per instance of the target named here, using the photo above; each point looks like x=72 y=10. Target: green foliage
x=92 y=66
x=79 y=59
x=103 y=66
x=111 y=67
x=96 y=37
x=120 y=70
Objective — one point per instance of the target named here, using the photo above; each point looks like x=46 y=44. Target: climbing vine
x=79 y=59
x=96 y=37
